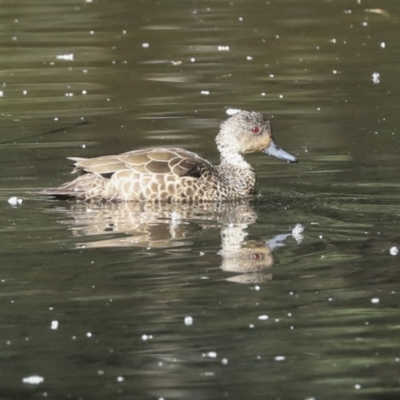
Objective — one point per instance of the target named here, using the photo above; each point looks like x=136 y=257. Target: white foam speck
x=233 y=111
x=375 y=300
x=33 y=379
x=263 y=317
x=145 y=45
x=15 y=201
x=188 y=320
x=66 y=57
x=54 y=325
x=279 y=358
x=205 y=92
x=383 y=45
x=212 y=354
x=376 y=77
x=394 y=251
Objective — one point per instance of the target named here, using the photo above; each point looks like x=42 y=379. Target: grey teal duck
x=177 y=175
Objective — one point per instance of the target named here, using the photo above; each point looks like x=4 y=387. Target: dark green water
x=95 y=299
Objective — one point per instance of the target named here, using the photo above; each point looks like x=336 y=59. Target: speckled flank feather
x=174 y=175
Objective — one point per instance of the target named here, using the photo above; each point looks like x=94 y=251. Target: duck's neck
x=238 y=175
x=235 y=160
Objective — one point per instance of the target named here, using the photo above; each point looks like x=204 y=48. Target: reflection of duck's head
x=251 y=256
x=248 y=132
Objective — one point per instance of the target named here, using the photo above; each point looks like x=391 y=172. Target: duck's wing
x=178 y=162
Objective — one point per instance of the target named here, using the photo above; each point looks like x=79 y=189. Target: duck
x=177 y=175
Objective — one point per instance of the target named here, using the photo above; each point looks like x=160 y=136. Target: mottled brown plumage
x=177 y=175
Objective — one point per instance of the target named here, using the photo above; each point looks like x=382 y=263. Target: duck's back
x=148 y=174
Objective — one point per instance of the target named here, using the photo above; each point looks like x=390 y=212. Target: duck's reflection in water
x=159 y=225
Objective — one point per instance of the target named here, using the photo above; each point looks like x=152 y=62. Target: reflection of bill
x=164 y=225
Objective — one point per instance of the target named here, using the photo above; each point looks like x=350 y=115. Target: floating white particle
x=394 y=251
x=91 y=32
x=263 y=94
x=24 y=92
x=124 y=32
x=257 y=287
x=332 y=40
x=383 y=45
x=281 y=96
x=297 y=233
x=263 y=317
x=66 y=57
x=271 y=75
x=251 y=326
x=233 y=111
x=145 y=337
x=188 y=320
x=249 y=58
x=145 y=45
x=205 y=92
x=54 y=325
x=192 y=59
x=224 y=361
x=89 y=1
x=84 y=92
x=298 y=229
x=357 y=386
x=334 y=72
x=212 y=354
x=223 y=48
x=279 y=358
x=89 y=334
x=375 y=300
x=240 y=19
x=15 y=201
x=33 y=379
x=120 y=379
x=320 y=236
x=1 y=93
x=365 y=23
x=83 y=146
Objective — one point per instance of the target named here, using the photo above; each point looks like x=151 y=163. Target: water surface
x=219 y=301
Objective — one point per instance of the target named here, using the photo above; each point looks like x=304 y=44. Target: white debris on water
x=33 y=379
x=383 y=45
x=54 y=325
x=223 y=48
x=297 y=233
x=233 y=111
x=188 y=320
x=66 y=57
x=145 y=45
x=279 y=358
x=212 y=354
x=394 y=251
x=15 y=201
x=263 y=317
x=375 y=300
x=205 y=92
x=376 y=77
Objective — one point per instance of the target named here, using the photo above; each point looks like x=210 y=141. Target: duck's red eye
x=255 y=129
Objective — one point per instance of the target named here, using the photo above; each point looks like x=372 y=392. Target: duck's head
x=248 y=132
